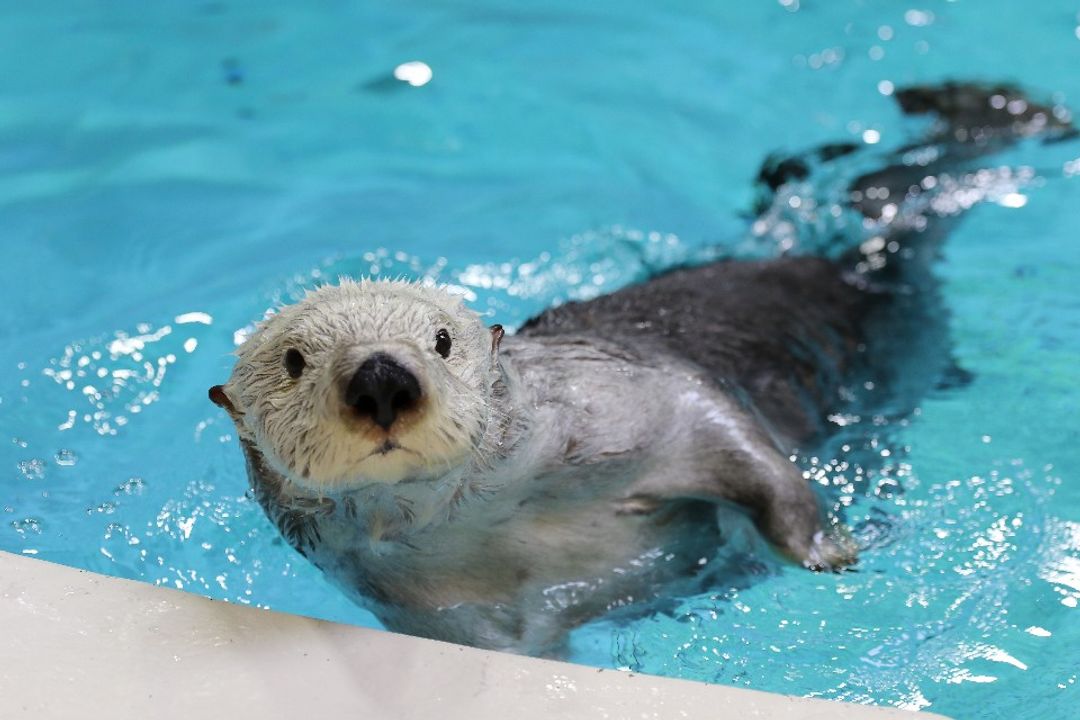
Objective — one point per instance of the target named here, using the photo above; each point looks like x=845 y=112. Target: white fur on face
x=303 y=427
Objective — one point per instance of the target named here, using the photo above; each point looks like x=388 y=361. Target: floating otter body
x=498 y=492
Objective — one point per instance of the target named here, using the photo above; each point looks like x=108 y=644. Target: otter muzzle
x=381 y=389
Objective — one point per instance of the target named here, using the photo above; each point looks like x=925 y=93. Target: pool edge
x=83 y=644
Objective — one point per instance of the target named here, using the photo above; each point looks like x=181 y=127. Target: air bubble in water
x=26 y=526
x=66 y=457
x=33 y=469
x=131 y=486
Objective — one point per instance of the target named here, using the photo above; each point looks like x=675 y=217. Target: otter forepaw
x=831 y=552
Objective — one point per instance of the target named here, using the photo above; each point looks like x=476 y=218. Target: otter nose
x=380 y=389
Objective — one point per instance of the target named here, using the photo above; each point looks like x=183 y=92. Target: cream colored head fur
x=302 y=425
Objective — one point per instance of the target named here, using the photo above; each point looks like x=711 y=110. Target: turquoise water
x=169 y=171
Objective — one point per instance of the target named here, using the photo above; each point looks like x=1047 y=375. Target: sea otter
x=497 y=491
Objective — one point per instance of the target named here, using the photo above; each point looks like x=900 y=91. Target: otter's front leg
x=727 y=456
x=783 y=505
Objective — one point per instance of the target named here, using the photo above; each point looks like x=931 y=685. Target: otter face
x=365 y=382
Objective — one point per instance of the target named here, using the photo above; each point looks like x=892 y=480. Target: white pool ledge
x=77 y=644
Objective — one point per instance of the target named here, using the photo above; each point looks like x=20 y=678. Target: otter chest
x=552 y=551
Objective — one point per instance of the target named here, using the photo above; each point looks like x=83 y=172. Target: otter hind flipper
x=976 y=112
x=971 y=120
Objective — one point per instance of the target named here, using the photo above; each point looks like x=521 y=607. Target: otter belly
x=520 y=584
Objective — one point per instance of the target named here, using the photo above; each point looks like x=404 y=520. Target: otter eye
x=294 y=363
x=442 y=343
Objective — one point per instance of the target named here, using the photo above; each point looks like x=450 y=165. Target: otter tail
x=883 y=215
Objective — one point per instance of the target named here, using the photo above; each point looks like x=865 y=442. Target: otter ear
x=222 y=400
x=497 y=333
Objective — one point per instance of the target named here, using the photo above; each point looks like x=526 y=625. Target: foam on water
x=167 y=174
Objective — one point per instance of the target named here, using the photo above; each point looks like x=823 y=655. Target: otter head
x=365 y=382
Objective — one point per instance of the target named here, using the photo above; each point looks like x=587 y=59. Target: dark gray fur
x=781 y=334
